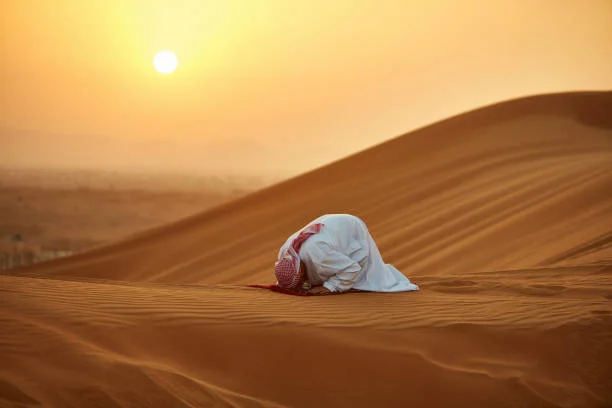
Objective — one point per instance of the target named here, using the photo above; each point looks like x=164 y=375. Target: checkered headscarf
x=287 y=268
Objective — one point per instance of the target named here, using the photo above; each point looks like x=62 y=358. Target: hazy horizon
x=275 y=87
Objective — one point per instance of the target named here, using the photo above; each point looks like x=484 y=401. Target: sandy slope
x=503 y=215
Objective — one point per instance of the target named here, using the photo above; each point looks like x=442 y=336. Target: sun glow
x=165 y=62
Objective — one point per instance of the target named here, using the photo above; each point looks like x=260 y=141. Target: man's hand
x=319 y=290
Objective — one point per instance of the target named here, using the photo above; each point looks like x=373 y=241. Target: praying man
x=333 y=254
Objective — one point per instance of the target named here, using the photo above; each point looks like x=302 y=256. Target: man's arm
x=320 y=290
x=343 y=270
x=338 y=271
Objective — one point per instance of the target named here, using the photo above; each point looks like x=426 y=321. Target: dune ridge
x=502 y=215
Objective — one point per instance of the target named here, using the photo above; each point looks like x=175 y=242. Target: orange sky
x=276 y=85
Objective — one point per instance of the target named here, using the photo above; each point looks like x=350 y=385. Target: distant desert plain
x=45 y=213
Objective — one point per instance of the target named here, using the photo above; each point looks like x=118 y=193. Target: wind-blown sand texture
x=503 y=216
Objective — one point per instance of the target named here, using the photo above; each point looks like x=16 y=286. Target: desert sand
x=76 y=209
x=502 y=215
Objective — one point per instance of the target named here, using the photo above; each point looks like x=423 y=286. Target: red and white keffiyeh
x=287 y=268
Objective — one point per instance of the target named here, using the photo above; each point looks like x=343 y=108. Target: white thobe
x=343 y=256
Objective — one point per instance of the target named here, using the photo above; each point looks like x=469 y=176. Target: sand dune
x=502 y=215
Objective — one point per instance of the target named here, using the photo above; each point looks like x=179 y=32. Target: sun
x=165 y=62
